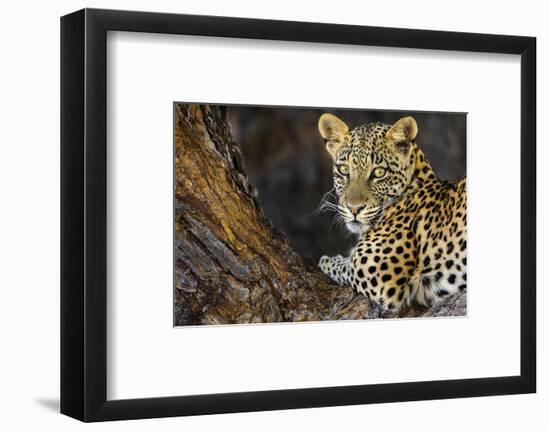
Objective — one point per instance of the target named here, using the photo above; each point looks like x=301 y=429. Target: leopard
x=410 y=226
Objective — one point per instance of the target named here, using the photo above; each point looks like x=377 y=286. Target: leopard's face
x=372 y=166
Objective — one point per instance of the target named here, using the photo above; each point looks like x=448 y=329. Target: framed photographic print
x=251 y=208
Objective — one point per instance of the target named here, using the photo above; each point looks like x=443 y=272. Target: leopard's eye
x=378 y=172
x=343 y=169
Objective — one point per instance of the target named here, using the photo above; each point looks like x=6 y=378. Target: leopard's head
x=373 y=165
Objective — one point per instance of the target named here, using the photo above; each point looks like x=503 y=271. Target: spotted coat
x=411 y=226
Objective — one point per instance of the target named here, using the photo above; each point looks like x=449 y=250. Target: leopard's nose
x=356 y=209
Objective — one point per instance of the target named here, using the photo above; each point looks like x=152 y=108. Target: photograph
x=294 y=214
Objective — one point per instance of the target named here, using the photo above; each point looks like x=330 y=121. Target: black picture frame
x=84 y=214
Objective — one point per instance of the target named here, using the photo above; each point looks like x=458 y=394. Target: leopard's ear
x=333 y=130
x=402 y=133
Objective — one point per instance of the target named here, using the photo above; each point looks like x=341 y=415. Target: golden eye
x=378 y=172
x=343 y=169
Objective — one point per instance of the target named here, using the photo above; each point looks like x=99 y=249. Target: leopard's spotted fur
x=411 y=225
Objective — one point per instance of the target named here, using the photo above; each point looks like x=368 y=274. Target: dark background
x=286 y=160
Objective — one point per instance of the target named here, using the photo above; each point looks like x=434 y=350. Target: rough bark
x=231 y=264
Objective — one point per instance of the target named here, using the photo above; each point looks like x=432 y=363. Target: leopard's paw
x=324 y=263
x=327 y=263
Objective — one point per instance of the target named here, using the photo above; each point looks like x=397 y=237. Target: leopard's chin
x=357 y=227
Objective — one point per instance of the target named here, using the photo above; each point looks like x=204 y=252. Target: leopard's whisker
x=325 y=204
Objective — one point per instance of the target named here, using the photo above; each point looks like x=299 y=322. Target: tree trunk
x=231 y=264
